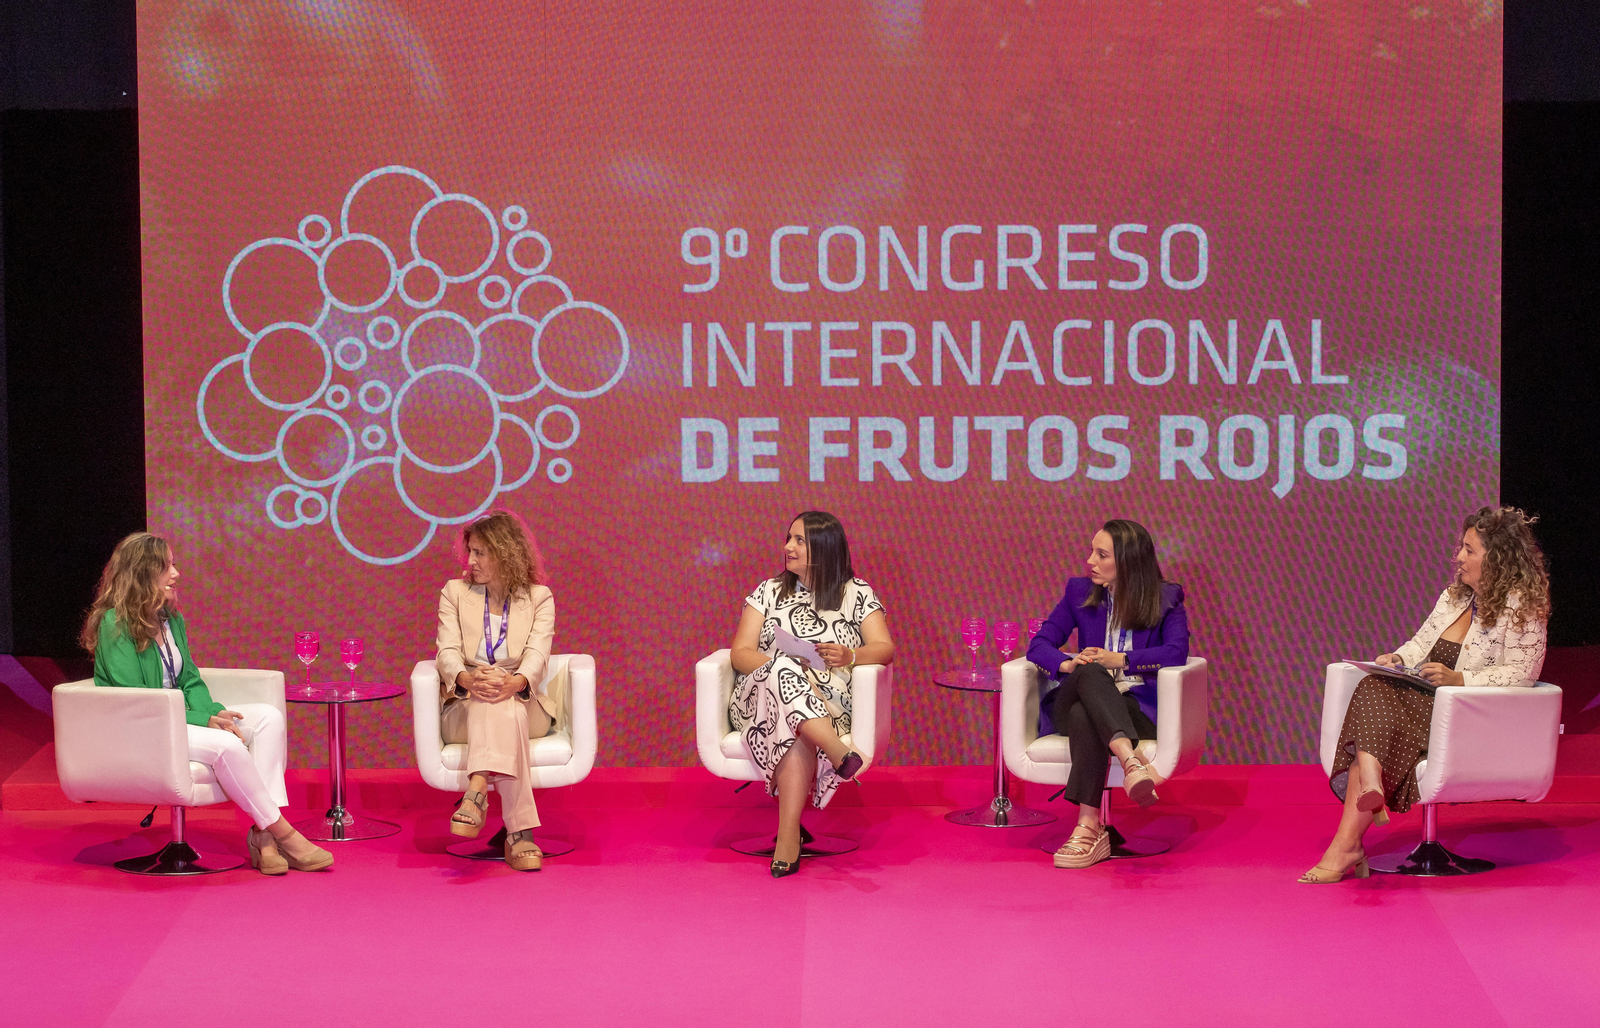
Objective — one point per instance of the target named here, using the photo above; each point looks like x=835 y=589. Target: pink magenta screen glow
x=975 y=277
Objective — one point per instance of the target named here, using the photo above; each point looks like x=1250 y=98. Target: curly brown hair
x=130 y=586
x=505 y=535
x=1512 y=564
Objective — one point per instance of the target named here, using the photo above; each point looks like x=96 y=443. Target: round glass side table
x=1000 y=812
x=339 y=824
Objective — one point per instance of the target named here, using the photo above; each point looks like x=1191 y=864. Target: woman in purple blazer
x=1130 y=624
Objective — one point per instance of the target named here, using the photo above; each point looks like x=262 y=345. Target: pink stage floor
x=652 y=922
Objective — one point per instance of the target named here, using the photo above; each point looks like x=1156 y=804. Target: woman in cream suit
x=1487 y=629
x=496 y=623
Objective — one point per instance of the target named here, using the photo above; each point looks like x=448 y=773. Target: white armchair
x=132 y=746
x=1182 y=711
x=564 y=757
x=1485 y=743
x=725 y=754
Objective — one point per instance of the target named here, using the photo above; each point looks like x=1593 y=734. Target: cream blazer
x=1502 y=655
x=528 y=638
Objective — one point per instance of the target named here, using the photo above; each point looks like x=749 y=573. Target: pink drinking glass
x=1006 y=636
x=350 y=655
x=1034 y=624
x=973 y=631
x=306 y=647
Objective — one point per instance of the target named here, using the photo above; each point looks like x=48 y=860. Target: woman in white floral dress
x=1488 y=628
x=778 y=700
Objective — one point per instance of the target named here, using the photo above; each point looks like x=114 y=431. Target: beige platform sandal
x=1085 y=847
x=1139 y=782
x=470 y=815
x=522 y=853
x=264 y=854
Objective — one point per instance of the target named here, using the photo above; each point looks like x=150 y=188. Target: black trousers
x=1090 y=712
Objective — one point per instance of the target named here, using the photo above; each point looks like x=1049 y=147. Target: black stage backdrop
x=72 y=478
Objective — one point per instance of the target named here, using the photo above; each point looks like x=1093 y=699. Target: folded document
x=1409 y=675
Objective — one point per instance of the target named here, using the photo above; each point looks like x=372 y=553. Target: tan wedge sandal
x=318 y=860
x=264 y=854
x=522 y=853
x=470 y=815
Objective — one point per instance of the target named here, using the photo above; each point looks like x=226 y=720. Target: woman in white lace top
x=1488 y=629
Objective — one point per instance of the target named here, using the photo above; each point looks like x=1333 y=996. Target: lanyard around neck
x=505 y=623
x=167 y=660
x=1122 y=642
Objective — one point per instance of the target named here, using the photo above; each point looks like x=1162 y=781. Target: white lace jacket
x=1502 y=655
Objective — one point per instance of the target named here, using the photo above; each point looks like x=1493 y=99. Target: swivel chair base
x=495 y=848
x=819 y=846
x=1429 y=859
x=177 y=859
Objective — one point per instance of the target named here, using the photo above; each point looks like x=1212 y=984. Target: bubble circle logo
x=408 y=344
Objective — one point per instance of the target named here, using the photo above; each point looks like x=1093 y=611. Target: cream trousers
x=497 y=737
x=250 y=772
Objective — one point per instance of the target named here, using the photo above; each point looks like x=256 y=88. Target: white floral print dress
x=770 y=702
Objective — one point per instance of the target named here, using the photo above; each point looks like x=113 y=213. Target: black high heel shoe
x=849 y=766
x=785 y=868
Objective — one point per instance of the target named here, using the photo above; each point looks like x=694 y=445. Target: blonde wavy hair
x=130 y=585
x=507 y=538
x=1512 y=564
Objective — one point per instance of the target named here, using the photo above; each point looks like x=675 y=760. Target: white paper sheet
x=802 y=650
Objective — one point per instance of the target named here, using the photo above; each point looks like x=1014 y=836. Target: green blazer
x=117 y=663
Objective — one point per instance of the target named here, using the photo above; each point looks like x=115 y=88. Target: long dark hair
x=829 y=553
x=1138 y=576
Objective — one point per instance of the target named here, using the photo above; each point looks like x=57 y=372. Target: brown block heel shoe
x=1320 y=875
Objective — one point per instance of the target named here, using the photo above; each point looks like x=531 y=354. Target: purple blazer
x=1165 y=645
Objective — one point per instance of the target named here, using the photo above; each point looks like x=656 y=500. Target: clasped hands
x=227 y=721
x=490 y=683
x=1435 y=673
x=1110 y=659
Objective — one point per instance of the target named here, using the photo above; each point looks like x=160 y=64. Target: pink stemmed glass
x=973 y=631
x=306 y=647
x=350 y=656
x=1006 y=636
x=1034 y=624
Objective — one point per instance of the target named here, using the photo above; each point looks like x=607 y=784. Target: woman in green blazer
x=139 y=641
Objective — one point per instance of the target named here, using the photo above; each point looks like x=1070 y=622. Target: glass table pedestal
x=999 y=812
x=340 y=824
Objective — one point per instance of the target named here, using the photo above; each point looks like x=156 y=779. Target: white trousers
x=250 y=772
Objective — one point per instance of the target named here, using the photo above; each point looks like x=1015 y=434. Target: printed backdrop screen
x=976 y=277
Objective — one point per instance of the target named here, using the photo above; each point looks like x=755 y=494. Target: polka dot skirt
x=1390 y=720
